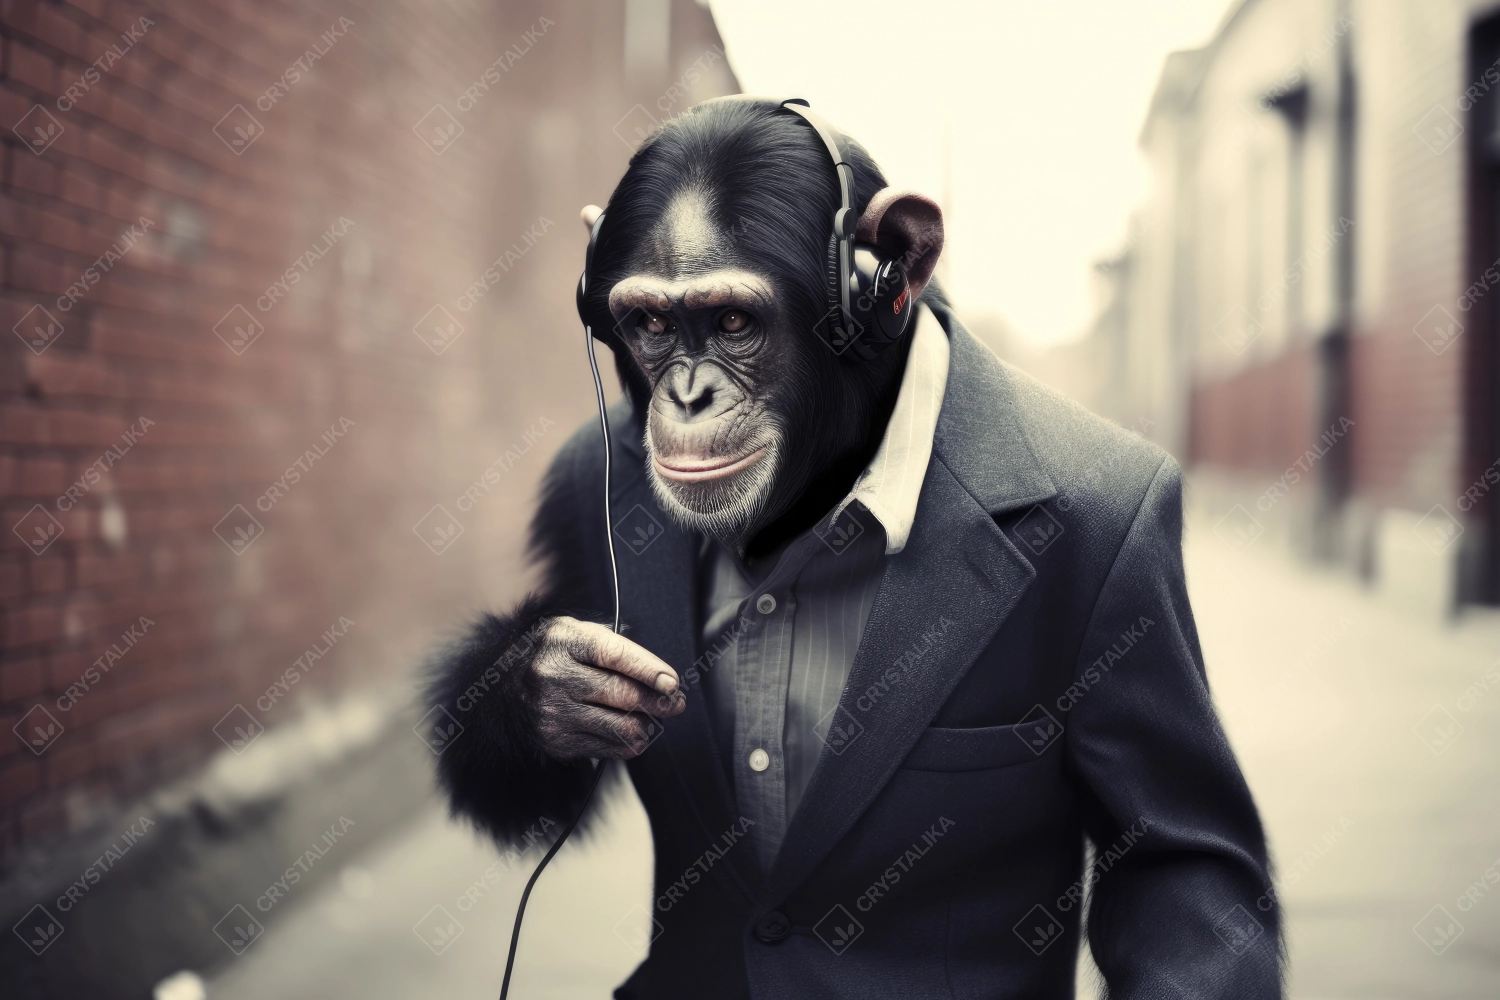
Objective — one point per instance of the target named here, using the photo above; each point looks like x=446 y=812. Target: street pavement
x=1369 y=734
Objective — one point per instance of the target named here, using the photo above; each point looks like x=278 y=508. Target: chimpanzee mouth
x=688 y=470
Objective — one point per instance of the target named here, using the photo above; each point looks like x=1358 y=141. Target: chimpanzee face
x=748 y=406
x=722 y=363
x=715 y=247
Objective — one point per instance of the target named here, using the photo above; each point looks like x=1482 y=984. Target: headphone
x=869 y=301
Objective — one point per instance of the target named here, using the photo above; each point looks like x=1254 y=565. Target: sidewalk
x=1371 y=738
x=368 y=935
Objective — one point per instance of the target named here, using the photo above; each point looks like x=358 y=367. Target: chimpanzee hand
x=592 y=690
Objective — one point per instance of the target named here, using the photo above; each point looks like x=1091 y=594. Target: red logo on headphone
x=900 y=302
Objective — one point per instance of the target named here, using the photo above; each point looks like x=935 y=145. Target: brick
x=31 y=425
x=58 y=32
x=42 y=477
x=71 y=758
x=46 y=275
x=23 y=679
x=21 y=627
x=13 y=106
x=26 y=65
x=57 y=374
x=48 y=573
x=12 y=577
x=83 y=191
x=18 y=779
x=35 y=174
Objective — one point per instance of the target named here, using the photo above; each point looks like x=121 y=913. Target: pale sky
x=1043 y=102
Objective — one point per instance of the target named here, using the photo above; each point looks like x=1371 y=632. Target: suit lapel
x=940 y=602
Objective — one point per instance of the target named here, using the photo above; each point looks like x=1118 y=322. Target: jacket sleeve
x=1182 y=902
x=492 y=767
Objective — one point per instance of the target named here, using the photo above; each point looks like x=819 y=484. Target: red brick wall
x=1409 y=233
x=338 y=350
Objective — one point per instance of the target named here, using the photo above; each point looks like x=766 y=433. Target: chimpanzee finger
x=612 y=690
x=594 y=644
x=628 y=731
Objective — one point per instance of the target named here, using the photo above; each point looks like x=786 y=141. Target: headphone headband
x=877 y=281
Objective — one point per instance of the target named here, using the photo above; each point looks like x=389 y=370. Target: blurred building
x=291 y=293
x=1301 y=310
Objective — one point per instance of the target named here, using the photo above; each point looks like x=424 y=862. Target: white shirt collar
x=891 y=483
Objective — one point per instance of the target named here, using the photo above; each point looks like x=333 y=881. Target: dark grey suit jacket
x=1030 y=676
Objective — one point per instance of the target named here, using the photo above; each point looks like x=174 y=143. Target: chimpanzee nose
x=693 y=391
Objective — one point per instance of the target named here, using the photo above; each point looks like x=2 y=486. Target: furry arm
x=494 y=769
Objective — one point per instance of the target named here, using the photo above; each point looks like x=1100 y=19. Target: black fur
x=495 y=772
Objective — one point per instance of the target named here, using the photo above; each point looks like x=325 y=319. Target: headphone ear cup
x=884 y=301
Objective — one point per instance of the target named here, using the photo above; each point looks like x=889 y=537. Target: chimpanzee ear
x=588 y=215
x=908 y=227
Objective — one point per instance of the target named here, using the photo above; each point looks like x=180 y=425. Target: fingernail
x=665 y=683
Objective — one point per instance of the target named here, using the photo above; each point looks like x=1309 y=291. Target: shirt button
x=772 y=927
x=766 y=604
x=759 y=759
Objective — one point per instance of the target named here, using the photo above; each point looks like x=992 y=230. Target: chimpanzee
x=908 y=678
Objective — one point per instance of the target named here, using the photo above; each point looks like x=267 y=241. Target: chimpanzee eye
x=735 y=321
x=652 y=323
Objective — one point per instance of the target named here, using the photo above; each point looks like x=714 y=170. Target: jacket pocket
x=969 y=749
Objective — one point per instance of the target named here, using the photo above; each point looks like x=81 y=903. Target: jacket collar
x=892 y=483
x=980 y=434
